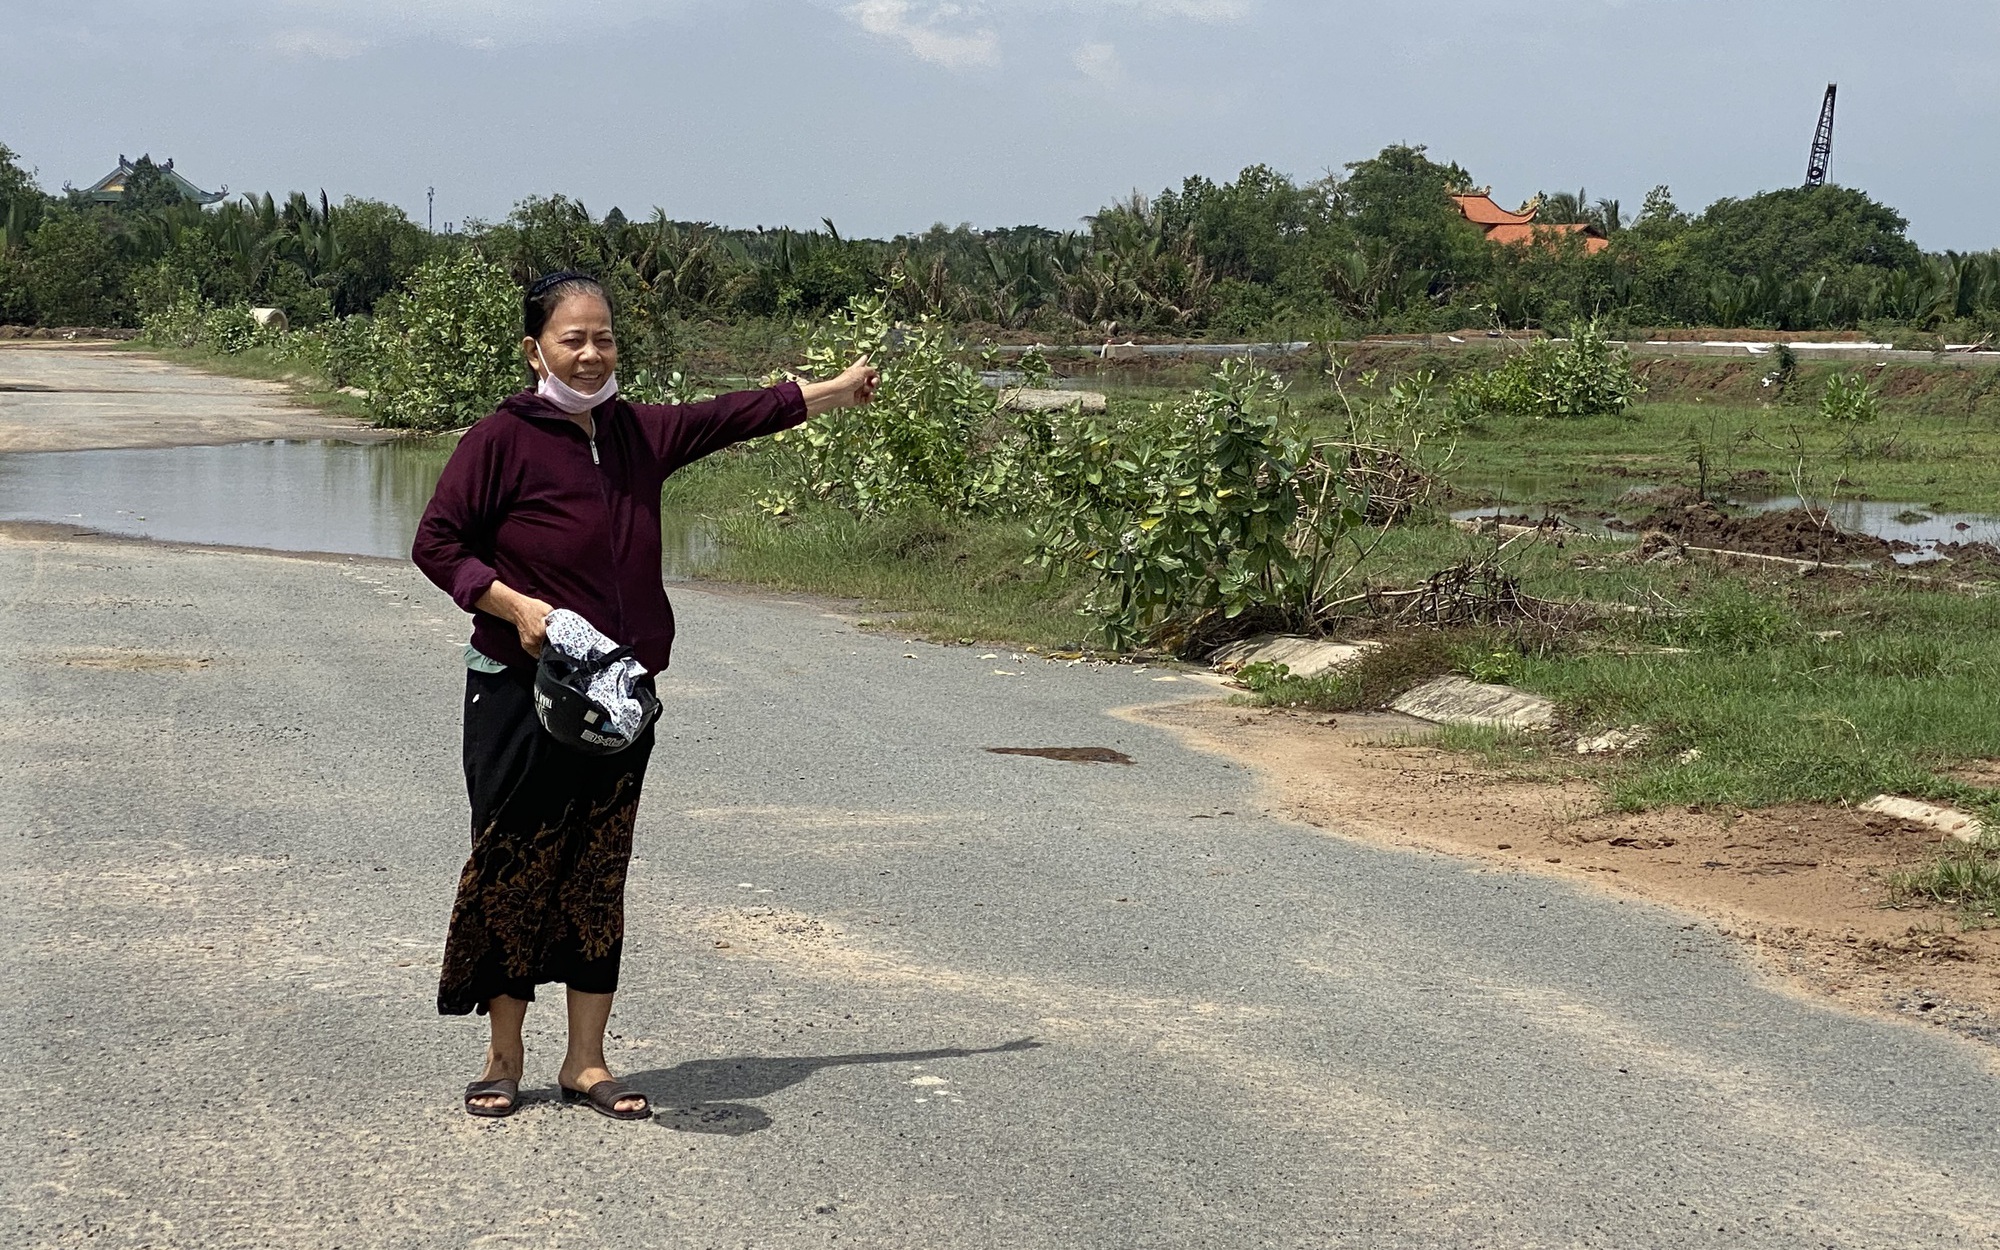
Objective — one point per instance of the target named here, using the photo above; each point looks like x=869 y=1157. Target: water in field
x=1923 y=529
x=346 y=498
x=1589 y=505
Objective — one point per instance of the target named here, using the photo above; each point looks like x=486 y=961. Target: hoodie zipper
x=610 y=526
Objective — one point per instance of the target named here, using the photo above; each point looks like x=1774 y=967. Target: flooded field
x=1913 y=533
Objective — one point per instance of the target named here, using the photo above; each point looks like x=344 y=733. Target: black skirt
x=543 y=896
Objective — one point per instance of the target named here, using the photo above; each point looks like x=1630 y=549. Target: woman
x=554 y=502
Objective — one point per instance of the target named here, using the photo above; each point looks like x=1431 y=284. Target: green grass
x=940 y=577
x=1940 y=461
x=1963 y=879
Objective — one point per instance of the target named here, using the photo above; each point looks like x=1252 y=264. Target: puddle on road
x=347 y=498
x=1068 y=755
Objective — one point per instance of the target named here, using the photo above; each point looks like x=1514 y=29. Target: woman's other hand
x=851 y=389
x=528 y=615
x=531 y=620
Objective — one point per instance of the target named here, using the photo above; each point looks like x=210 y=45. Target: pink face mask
x=567 y=397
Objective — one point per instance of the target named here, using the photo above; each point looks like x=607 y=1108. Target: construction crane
x=1822 y=152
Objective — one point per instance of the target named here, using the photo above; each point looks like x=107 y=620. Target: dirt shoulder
x=1804 y=886
x=77 y=397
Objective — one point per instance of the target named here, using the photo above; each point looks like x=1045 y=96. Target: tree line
x=1378 y=247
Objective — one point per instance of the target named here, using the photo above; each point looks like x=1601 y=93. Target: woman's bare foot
x=499 y=1067
x=581 y=1077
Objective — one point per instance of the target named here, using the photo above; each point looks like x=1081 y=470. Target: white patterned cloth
x=612 y=689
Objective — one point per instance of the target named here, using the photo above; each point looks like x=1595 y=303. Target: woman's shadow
x=704 y=1095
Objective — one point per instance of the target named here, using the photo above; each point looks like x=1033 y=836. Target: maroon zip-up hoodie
x=527 y=499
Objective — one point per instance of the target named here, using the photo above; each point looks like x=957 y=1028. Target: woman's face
x=577 y=344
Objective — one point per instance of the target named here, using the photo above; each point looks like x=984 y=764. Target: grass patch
x=948 y=578
x=1964 y=879
x=1947 y=461
x=1401 y=662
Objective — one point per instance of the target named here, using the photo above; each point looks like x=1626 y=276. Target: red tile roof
x=1504 y=227
x=1480 y=210
x=1593 y=241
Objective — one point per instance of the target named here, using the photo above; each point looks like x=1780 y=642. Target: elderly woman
x=553 y=502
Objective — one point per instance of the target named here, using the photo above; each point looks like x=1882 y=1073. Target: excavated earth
x=1796 y=533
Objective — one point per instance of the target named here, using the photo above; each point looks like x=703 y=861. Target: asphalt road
x=887 y=988
x=72 y=397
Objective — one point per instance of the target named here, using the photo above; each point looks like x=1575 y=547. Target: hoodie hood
x=529 y=404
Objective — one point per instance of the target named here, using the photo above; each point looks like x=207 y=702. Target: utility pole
x=431 y=209
x=1822 y=149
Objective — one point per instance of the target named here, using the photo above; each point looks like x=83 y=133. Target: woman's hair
x=547 y=293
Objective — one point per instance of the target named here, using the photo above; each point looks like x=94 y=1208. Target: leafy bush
x=914 y=444
x=1584 y=375
x=1849 y=400
x=446 y=350
x=228 y=330
x=173 y=317
x=1211 y=506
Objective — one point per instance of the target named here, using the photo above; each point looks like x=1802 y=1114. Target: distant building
x=110 y=189
x=1502 y=226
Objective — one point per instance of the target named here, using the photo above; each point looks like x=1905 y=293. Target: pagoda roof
x=111 y=187
x=1480 y=210
x=1593 y=238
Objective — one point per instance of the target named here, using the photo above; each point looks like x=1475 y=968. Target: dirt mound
x=1970 y=557
x=1659 y=497
x=1796 y=533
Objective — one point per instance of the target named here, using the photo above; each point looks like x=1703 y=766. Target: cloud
x=316 y=43
x=926 y=33
x=1100 y=63
x=958 y=33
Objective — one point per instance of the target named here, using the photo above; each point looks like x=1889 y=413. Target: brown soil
x=1806 y=887
x=1796 y=534
x=1971 y=557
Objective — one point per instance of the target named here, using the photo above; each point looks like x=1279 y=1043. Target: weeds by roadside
x=1963 y=879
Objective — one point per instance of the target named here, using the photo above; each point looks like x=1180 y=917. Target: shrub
x=173 y=316
x=1849 y=400
x=1209 y=507
x=446 y=351
x=1584 y=375
x=913 y=445
x=228 y=330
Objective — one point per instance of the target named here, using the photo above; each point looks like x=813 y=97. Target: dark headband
x=550 y=281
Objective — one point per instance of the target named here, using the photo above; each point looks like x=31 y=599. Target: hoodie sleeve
x=681 y=434
x=455 y=538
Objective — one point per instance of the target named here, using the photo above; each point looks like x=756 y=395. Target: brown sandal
x=503 y=1088
x=604 y=1097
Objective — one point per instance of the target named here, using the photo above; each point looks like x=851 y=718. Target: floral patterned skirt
x=543 y=896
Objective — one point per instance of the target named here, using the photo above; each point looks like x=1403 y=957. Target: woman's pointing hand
x=851 y=389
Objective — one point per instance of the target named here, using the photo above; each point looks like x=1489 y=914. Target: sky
x=890 y=115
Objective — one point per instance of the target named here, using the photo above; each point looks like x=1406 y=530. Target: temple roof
x=1593 y=238
x=1502 y=226
x=111 y=188
x=1480 y=210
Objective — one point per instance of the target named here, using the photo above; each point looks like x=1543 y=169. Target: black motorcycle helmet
x=572 y=717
